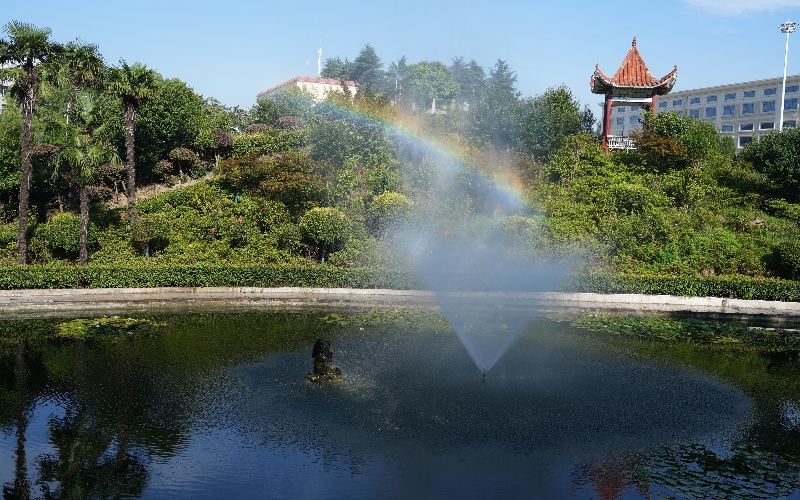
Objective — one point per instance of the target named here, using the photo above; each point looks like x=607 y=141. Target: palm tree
x=22 y=57
x=132 y=84
x=80 y=65
x=85 y=153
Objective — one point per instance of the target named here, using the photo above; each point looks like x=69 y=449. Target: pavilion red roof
x=632 y=79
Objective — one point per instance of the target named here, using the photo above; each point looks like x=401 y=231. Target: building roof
x=632 y=79
x=308 y=79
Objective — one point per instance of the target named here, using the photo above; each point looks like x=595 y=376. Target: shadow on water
x=217 y=405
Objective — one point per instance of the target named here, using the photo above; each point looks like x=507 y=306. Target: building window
x=694 y=100
x=793 y=88
x=748 y=109
x=662 y=104
x=729 y=110
x=729 y=97
x=694 y=113
x=767 y=126
x=634 y=108
x=749 y=93
x=620 y=122
x=770 y=91
x=744 y=141
x=679 y=102
x=790 y=123
x=620 y=110
x=727 y=128
x=633 y=120
x=711 y=112
x=790 y=105
x=711 y=98
x=768 y=107
x=745 y=127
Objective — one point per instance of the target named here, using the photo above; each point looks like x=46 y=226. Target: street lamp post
x=787 y=27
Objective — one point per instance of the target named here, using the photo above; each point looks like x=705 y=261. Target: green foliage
x=777 y=155
x=10 y=147
x=290 y=101
x=545 y=120
x=670 y=140
x=388 y=210
x=787 y=259
x=150 y=276
x=105 y=327
x=266 y=142
x=427 y=80
x=61 y=234
x=290 y=178
x=325 y=228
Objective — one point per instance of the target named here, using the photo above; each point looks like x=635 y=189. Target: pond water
x=216 y=406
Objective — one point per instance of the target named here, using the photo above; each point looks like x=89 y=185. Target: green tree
x=427 y=81
x=470 y=78
x=777 y=155
x=132 y=84
x=85 y=153
x=394 y=76
x=545 y=120
x=27 y=51
x=337 y=69
x=501 y=102
x=79 y=66
x=366 y=68
x=669 y=140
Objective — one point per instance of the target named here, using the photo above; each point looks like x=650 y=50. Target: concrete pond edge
x=55 y=302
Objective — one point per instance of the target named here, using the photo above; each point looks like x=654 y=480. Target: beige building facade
x=743 y=110
x=316 y=86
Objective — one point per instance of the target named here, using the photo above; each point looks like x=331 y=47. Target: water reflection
x=216 y=405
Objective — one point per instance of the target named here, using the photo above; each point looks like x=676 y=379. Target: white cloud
x=735 y=7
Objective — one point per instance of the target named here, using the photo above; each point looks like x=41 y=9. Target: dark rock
x=324 y=370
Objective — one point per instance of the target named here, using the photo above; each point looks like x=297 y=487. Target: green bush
x=8 y=234
x=387 y=210
x=150 y=233
x=786 y=260
x=61 y=234
x=325 y=228
x=267 y=142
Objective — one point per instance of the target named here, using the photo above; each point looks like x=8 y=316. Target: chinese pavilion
x=632 y=82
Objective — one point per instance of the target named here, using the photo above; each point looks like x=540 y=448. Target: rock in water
x=324 y=370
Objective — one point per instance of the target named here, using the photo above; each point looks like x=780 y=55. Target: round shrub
x=222 y=139
x=61 y=234
x=163 y=169
x=387 y=210
x=150 y=233
x=289 y=123
x=325 y=228
x=256 y=128
x=786 y=257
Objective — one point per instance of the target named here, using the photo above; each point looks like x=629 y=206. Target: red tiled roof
x=634 y=75
x=308 y=79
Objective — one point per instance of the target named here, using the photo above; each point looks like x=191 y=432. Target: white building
x=743 y=110
x=316 y=86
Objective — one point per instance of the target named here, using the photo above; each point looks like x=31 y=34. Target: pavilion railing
x=620 y=142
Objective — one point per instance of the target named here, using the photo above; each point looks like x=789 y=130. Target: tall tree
x=430 y=80
x=23 y=55
x=367 y=68
x=394 y=76
x=502 y=101
x=85 y=152
x=337 y=69
x=131 y=84
x=469 y=75
x=80 y=65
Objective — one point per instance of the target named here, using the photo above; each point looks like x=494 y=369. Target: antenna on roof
x=319 y=59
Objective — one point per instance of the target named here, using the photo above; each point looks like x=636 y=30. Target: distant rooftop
x=308 y=79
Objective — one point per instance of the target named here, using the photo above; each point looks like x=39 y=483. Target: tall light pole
x=787 y=27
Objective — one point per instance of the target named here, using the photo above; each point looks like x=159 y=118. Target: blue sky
x=232 y=50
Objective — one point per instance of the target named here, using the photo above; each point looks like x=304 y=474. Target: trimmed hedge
x=100 y=276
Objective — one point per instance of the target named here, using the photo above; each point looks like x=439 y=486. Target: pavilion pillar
x=607 y=120
x=655 y=101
